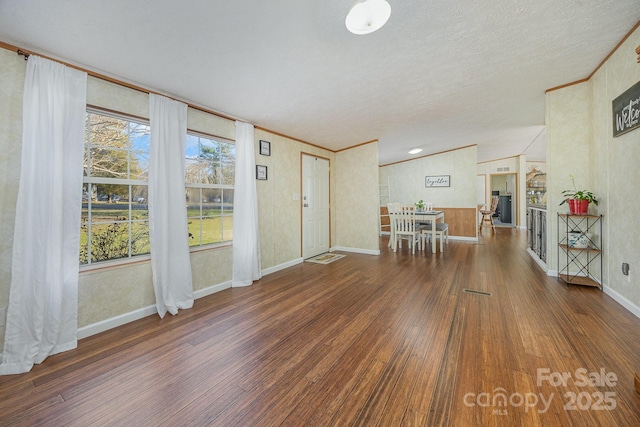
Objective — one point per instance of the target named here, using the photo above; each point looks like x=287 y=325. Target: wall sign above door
x=626 y=111
x=437 y=181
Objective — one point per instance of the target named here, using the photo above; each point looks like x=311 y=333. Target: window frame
x=203 y=186
x=89 y=181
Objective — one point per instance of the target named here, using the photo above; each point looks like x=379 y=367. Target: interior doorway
x=505 y=187
x=315 y=205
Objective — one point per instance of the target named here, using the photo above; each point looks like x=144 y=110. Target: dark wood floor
x=367 y=340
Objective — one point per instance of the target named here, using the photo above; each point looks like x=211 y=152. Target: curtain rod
x=27 y=53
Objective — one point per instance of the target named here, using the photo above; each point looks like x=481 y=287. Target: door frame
x=301 y=200
x=515 y=221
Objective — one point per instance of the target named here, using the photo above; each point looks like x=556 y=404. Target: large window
x=210 y=170
x=115 y=216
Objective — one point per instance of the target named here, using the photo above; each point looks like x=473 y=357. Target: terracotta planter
x=578 y=207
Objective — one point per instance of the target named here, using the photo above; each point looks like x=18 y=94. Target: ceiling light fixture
x=368 y=16
x=415 y=150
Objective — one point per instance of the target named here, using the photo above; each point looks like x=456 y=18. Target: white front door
x=315 y=206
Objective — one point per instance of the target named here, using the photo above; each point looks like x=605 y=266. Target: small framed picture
x=265 y=148
x=261 y=172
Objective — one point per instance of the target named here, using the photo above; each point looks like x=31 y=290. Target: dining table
x=430 y=217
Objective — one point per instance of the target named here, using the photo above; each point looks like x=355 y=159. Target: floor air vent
x=473 y=291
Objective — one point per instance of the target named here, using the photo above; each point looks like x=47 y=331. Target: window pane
x=228 y=228
x=209 y=163
x=193 y=225
x=108 y=162
x=111 y=203
x=228 y=173
x=139 y=206
x=228 y=152
x=193 y=202
x=211 y=201
x=227 y=201
x=109 y=241
x=211 y=230
x=118 y=149
x=140 y=238
x=192 y=155
x=139 y=165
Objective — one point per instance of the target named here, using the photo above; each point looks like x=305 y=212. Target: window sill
x=103 y=266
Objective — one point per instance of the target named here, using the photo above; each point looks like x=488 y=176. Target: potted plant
x=420 y=205
x=578 y=200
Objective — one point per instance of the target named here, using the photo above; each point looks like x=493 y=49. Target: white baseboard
x=464 y=238
x=634 y=309
x=631 y=307
x=114 y=322
x=212 y=289
x=355 y=250
x=282 y=266
x=537 y=259
x=122 y=319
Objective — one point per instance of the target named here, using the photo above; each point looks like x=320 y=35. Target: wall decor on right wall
x=626 y=111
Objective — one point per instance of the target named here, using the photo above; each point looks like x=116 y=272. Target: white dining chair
x=442 y=232
x=392 y=209
x=407 y=228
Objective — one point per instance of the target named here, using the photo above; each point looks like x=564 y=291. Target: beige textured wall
x=407 y=179
x=568 y=153
x=113 y=291
x=12 y=73
x=615 y=173
x=280 y=215
x=580 y=141
x=356 y=199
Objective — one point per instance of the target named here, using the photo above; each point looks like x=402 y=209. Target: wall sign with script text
x=626 y=111
x=437 y=181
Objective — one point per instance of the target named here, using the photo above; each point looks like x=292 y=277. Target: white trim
x=212 y=289
x=355 y=250
x=122 y=319
x=552 y=273
x=114 y=322
x=282 y=266
x=634 y=309
x=464 y=239
x=537 y=259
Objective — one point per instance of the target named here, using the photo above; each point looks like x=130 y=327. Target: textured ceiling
x=439 y=75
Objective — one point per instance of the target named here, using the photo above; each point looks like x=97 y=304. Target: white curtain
x=168 y=233
x=43 y=299
x=246 y=238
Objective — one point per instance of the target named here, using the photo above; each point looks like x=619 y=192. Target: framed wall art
x=265 y=148
x=261 y=172
x=437 y=181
